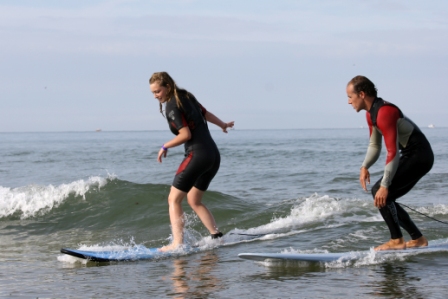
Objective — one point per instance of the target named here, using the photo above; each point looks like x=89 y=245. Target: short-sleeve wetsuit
x=202 y=157
x=401 y=172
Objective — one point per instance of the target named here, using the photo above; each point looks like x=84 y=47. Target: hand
x=163 y=153
x=364 y=177
x=380 y=197
x=227 y=125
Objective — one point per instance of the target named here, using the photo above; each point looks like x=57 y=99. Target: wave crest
x=31 y=200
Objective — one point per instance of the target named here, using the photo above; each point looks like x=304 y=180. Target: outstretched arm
x=210 y=117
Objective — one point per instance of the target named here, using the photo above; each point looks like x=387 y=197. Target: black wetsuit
x=403 y=171
x=202 y=158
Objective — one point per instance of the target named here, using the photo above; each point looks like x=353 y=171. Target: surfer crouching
x=402 y=171
x=187 y=119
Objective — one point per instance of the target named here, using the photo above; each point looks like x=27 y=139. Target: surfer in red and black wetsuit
x=402 y=171
x=187 y=119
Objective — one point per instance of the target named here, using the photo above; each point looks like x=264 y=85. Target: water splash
x=31 y=200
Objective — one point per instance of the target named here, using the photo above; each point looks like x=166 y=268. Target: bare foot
x=392 y=244
x=420 y=242
x=169 y=247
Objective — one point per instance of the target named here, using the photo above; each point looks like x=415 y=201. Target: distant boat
x=98 y=130
x=431 y=126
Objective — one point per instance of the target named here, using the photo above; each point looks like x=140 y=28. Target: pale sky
x=84 y=65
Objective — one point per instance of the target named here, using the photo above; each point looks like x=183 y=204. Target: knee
x=194 y=197
x=193 y=203
x=174 y=199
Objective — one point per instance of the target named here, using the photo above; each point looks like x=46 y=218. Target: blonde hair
x=165 y=80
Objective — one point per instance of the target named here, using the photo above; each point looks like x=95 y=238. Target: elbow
x=188 y=136
x=391 y=156
x=185 y=135
x=207 y=116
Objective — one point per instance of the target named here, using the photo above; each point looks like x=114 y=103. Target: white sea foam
x=118 y=248
x=30 y=200
x=317 y=209
x=68 y=259
x=350 y=259
x=367 y=258
x=438 y=209
x=323 y=211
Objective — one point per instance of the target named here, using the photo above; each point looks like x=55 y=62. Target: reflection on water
x=193 y=278
x=284 y=269
x=396 y=281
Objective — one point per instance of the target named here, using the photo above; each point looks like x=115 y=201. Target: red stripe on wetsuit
x=184 y=163
x=187 y=160
x=387 y=120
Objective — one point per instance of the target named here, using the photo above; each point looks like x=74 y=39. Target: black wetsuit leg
x=412 y=167
x=405 y=222
x=197 y=169
x=205 y=179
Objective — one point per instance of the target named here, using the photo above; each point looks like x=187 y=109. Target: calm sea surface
x=103 y=190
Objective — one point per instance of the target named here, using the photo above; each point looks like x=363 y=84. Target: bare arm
x=210 y=117
x=183 y=136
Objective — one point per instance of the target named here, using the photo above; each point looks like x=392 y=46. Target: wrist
x=164 y=148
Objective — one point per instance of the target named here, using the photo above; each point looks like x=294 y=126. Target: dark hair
x=361 y=83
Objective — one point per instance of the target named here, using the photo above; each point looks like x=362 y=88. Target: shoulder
x=183 y=94
x=388 y=111
x=171 y=110
x=387 y=119
x=170 y=104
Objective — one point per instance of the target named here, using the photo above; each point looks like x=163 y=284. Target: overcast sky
x=84 y=65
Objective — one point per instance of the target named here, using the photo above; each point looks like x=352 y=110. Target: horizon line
x=161 y=130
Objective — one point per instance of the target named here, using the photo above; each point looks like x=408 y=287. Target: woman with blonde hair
x=187 y=119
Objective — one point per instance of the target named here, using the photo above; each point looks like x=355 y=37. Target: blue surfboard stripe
x=140 y=252
x=131 y=254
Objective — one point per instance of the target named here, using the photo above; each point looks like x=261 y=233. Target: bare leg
x=176 y=218
x=195 y=201
x=420 y=242
x=392 y=244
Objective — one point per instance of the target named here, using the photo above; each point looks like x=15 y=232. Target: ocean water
x=106 y=190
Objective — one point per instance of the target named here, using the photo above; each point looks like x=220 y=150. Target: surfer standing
x=401 y=172
x=187 y=119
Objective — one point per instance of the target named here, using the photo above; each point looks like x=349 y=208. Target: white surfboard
x=342 y=256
